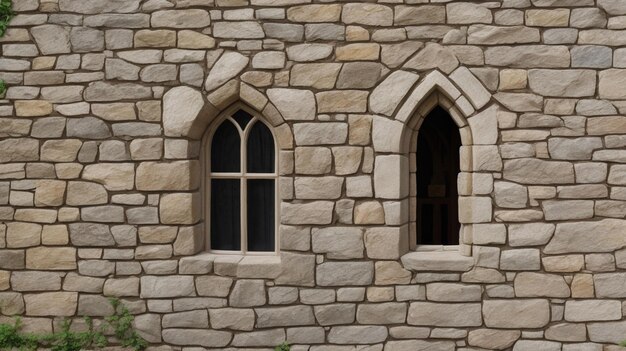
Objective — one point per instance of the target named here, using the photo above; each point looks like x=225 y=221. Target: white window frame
x=243 y=177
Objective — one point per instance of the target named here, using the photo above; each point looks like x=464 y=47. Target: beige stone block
x=338 y=243
x=345 y=273
x=188 y=39
x=312 y=188
x=232 y=318
x=367 y=14
x=313 y=160
x=358 y=52
x=357 y=334
x=347 y=159
x=528 y=284
x=20 y=235
x=387 y=242
x=467 y=13
x=547 y=18
x=51 y=304
x=582 y=286
x=370 y=212
x=535 y=171
x=445 y=315
x=32 y=108
x=493 y=338
x=566 y=332
x=453 y=292
x=592 y=310
x=389 y=182
x=351 y=101
x=599 y=236
x=391 y=273
x=55 y=235
x=314 y=13
x=531 y=313
x=610 y=81
x=315 y=75
x=495 y=35
x=180 y=208
x=49 y=193
x=513 y=79
x=155 y=38
x=316 y=212
x=114 y=176
x=172 y=176
x=359 y=129
x=49 y=258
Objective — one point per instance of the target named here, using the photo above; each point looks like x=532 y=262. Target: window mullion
x=244 y=194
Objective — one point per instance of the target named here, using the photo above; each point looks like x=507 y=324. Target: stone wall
x=101 y=170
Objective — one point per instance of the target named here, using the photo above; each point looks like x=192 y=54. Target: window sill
x=440 y=261
x=240 y=266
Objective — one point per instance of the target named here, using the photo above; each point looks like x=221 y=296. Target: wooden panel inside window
x=438 y=166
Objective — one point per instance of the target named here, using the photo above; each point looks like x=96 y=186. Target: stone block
x=445 y=315
x=531 y=313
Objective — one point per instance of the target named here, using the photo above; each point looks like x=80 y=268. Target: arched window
x=438 y=166
x=242 y=176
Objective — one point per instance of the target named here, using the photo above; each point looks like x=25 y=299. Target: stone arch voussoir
x=188 y=113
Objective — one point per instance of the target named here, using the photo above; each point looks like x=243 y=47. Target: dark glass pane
x=261 y=215
x=437 y=171
x=225 y=214
x=260 y=149
x=225 y=149
x=242 y=117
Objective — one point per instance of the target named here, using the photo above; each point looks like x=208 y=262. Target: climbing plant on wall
x=6 y=14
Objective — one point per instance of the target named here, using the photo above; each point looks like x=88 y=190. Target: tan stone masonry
x=103 y=153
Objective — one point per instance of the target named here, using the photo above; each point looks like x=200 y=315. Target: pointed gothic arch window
x=437 y=168
x=241 y=185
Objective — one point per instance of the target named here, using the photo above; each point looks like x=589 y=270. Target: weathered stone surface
x=159 y=287
x=493 y=35
x=609 y=82
x=532 y=313
x=52 y=39
x=357 y=334
x=433 y=56
x=207 y=338
x=535 y=171
x=232 y=318
x=338 y=243
x=51 y=304
x=444 y=315
x=388 y=94
x=367 y=14
x=565 y=83
x=600 y=236
x=228 y=66
x=493 y=338
x=248 y=293
x=283 y=100
x=345 y=273
x=529 y=284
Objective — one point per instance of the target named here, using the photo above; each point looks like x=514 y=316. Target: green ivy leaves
x=6 y=14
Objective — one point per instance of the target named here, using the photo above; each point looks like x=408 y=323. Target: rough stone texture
x=105 y=149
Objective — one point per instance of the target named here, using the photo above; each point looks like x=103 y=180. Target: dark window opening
x=242 y=210
x=438 y=166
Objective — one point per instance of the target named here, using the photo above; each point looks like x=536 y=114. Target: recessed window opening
x=241 y=185
x=438 y=166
